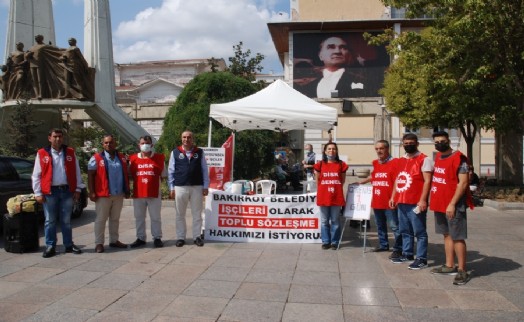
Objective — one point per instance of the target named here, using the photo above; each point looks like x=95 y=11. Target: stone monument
x=59 y=79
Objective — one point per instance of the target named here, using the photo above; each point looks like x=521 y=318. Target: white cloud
x=184 y=29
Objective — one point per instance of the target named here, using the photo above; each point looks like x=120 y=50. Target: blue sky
x=174 y=29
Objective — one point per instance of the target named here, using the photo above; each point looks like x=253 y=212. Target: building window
x=414 y=130
x=398 y=13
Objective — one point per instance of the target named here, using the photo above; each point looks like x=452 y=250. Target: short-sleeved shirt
x=115 y=173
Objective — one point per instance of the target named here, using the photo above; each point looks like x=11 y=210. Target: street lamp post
x=384 y=117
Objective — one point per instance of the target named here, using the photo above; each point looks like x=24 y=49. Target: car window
x=23 y=168
x=6 y=171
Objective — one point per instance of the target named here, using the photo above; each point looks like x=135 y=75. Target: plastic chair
x=267 y=187
x=248 y=185
x=227 y=186
x=309 y=186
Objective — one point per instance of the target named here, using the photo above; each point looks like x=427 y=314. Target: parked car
x=15 y=179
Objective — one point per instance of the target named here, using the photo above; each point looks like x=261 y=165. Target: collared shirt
x=115 y=173
x=59 y=174
x=386 y=160
x=171 y=170
x=328 y=82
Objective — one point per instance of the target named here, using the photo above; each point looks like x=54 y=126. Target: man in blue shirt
x=108 y=185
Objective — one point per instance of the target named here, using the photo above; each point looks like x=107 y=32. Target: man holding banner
x=383 y=179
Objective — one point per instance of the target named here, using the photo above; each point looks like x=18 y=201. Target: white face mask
x=145 y=148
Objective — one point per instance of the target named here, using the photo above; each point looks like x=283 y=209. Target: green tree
x=20 y=127
x=253 y=150
x=243 y=65
x=466 y=71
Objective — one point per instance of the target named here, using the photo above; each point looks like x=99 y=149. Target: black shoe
x=395 y=254
x=380 y=249
x=158 y=243
x=137 y=243
x=117 y=244
x=73 y=249
x=49 y=252
x=180 y=243
x=334 y=246
x=199 y=242
x=326 y=246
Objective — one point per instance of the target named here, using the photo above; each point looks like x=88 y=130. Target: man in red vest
x=449 y=200
x=147 y=169
x=56 y=183
x=383 y=180
x=108 y=186
x=410 y=196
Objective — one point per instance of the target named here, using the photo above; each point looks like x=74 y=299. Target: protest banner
x=262 y=218
x=220 y=165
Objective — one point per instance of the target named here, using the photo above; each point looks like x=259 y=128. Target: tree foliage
x=243 y=65
x=465 y=70
x=253 y=150
x=20 y=130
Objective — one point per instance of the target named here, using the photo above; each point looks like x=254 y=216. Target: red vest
x=46 y=164
x=102 y=179
x=410 y=180
x=383 y=181
x=445 y=181
x=146 y=174
x=330 y=191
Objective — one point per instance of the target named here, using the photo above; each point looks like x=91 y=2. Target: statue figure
x=76 y=74
x=17 y=70
x=35 y=60
x=45 y=71
x=3 y=81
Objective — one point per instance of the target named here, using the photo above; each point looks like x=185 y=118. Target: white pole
x=209 y=133
x=233 y=156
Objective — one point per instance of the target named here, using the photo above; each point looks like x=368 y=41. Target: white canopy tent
x=277 y=107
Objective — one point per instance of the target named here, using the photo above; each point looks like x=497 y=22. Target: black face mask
x=441 y=147
x=410 y=148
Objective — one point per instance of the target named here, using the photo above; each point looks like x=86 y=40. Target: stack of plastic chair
x=310 y=186
x=266 y=187
x=248 y=185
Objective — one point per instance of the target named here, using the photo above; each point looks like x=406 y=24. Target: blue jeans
x=383 y=219
x=58 y=207
x=330 y=224
x=413 y=225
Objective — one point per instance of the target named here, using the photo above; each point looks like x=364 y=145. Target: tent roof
x=277 y=107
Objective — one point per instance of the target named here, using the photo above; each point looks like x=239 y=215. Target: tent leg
x=233 y=156
x=209 y=133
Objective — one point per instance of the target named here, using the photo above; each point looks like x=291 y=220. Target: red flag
x=220 y=175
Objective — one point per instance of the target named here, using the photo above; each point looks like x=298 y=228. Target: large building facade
x=146 y=90
x=363 y=116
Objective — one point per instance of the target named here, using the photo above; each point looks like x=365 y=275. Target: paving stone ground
x=265 y=282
